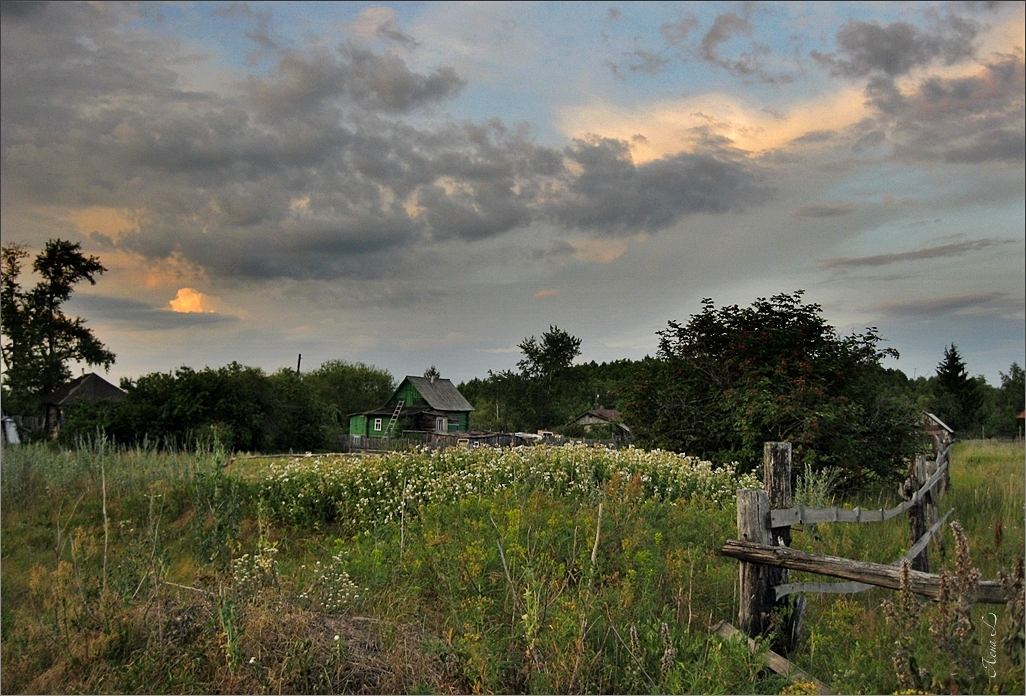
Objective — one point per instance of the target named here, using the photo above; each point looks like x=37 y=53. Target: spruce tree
x=957 y=397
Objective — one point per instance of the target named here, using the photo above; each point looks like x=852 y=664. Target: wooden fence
x=764 y=519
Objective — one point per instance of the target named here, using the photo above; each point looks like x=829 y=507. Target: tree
x=432 y=373
x=957 y=397
x=39 y=339
x=547 y=358
x=346 y=388
x=732 y=378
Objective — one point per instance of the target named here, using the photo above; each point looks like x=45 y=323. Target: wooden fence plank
x=804 y=515
x=928 y=584
x=777 y=663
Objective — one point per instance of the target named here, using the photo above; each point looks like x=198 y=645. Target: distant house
x=85 y=389
x=419 y=404
x=939 y=430
x=606 y=418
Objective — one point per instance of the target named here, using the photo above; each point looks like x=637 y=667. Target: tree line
x=719 y=385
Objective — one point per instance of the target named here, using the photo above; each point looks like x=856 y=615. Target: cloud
x=866 y=48
x=825 y=210
x=967 y=119
x=599 y=250
x=943 y=251
x=612 y=195
x=139 y=316
x=929 y=308
x=189 y=300
x=545 y=293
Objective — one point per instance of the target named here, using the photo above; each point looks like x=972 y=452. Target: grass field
x=541 y=569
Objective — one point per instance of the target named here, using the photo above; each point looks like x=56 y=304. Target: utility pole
x=299 y=362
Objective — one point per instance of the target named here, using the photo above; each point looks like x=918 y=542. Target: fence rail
x=853 y=587
x=928 y=584
x=804 y=515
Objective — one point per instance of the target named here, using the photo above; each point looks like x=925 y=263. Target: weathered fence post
x=919 y=514
x=756 y=593
x=776 y=460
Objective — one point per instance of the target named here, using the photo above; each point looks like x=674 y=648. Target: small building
x=938 y=430
x=85 y=389
x=419 y=404
x=607 y=419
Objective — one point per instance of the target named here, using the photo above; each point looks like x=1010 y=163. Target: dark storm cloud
x=304 y=80
x=865 y=48
x=965 y=120
x=612 y=195
x=936 y=307
x=141 y=316
x=943 y=251
x=308 y=171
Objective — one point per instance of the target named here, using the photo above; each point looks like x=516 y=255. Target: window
x=441 y=425
x=377 y=424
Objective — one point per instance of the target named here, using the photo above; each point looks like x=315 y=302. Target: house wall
x=358 y=425
x=408 y=393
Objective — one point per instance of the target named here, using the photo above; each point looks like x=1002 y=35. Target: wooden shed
x=419 y=404
x=87 y=388
x=599 y=416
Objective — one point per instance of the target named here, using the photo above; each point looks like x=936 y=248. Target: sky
x=417 y=184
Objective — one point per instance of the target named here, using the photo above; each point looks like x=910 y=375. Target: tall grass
x=142 y=570
x=138 y=570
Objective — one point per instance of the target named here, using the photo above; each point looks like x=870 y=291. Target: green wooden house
x=420 y=404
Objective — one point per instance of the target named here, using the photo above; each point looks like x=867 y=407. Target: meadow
x=543 y=569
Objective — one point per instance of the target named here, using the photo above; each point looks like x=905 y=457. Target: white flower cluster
x=383 y=488
x=252 y=572
x=332 y=588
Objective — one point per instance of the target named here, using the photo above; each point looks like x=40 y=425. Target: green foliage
x=956 y=397
x=346 y=388
x=510 y=402
x=237 y=407
x=732 y=378
x=1002 y=406
x=40 y=340
x=547 y=358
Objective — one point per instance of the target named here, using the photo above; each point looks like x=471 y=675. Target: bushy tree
x=548 y=359
x=345 y=388
x=39 y=338
x=732 y=378
x=1002 y=405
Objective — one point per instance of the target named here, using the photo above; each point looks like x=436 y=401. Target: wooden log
x=756 y=581
x=777 y=663
x=928 y=584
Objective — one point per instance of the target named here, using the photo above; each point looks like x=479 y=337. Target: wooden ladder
x=394 y=418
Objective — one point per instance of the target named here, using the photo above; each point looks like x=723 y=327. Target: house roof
x=89 y=387
x=441 y=394
x=606 y=414
x=939 y=422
